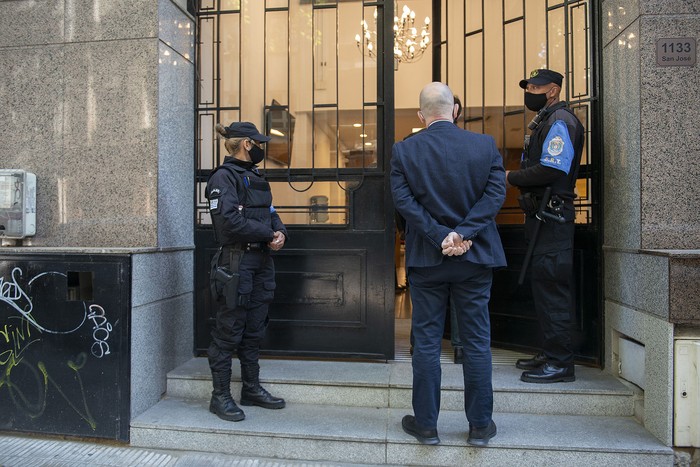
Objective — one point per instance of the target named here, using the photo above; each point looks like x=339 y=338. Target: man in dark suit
x=449 y=184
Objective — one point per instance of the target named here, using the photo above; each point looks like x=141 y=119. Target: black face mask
x=535 y=102
x=256 y=154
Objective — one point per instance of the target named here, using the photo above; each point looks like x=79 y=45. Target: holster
x=223 y=281
x=529 y=203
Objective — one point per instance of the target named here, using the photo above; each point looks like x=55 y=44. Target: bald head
x=436 y=102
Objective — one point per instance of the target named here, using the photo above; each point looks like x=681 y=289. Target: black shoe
x=257 y=395
x=549 y=373
x=531 y=363
x=223 y=406
x=459 y=354
x=410 y=426
x=481 y=436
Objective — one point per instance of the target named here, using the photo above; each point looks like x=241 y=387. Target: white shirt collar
x=440 y=120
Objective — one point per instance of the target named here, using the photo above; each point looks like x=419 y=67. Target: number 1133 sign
x=681 y=51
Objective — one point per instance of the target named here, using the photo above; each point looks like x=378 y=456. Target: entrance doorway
x=482 y=49
x=334 y=109
x=292 y=67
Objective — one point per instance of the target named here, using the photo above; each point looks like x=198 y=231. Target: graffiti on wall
x=55 y=354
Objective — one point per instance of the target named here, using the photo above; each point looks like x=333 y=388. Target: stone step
x=388 y=385
x=366 y=435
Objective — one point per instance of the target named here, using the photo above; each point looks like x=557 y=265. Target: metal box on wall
x=686 y=393
x=17 y=203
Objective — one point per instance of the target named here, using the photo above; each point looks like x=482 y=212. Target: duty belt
x=249 y=246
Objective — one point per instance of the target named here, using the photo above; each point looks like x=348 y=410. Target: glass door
x=294 y=69
x=486 y=47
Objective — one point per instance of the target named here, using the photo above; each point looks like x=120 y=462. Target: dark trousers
x=553 y=290
x=241 y=329
x=469 y=286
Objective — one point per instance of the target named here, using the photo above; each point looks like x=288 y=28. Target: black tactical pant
x=553 y=289
x=241 y=329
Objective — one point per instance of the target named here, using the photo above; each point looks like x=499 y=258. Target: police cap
x=542 y=76
x=245 y=130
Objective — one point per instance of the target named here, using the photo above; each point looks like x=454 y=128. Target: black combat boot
x=254 y=394
x=222 y=403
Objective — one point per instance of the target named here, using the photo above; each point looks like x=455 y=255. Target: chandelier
x=409 y=42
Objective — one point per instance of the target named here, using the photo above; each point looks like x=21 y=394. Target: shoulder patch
x=556 y=146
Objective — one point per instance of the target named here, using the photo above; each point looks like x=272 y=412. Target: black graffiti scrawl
x=64 y=365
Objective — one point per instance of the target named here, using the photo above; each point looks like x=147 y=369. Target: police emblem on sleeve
x=556 y=146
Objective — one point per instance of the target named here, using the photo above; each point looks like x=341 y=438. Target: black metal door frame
x=366 y=244
x=514 y=324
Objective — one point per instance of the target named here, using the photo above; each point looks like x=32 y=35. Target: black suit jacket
x=446 y=179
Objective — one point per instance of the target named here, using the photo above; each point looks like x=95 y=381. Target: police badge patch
x=556 y=146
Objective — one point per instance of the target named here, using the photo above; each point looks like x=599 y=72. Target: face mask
x=535 y=102
x=256 y=154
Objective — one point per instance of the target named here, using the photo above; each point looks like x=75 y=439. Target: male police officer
x=242 y=274
x=551 y=159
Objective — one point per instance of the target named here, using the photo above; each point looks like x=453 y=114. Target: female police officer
x=243 y=274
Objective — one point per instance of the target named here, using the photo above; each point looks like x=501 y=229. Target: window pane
x=355 y=132
x=318 y=203
x=350 y=77
x=535 y=35
x=514 y=63
x=206 y=141
x=583 y=113
x=203 y=216
x=513 y=9
x=229 y=60
x=276 y=3
x=276 y=57
x=324 y=60
x=206 y=60
x=370 y=64
x=325 y=138
x=556 y=41
x=473 y=99
x=230 y=5
x=474 y=15
x=579 y=51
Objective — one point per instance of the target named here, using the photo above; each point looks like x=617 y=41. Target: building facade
x=112 y=106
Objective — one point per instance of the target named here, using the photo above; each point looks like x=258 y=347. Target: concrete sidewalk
x=30 y=451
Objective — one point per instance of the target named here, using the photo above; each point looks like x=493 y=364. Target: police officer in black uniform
x=242 y=274
x=551 y=159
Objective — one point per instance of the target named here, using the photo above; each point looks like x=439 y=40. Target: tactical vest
x=255 y=200
x=562 y=186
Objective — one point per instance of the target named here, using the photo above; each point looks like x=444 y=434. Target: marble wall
x=651 y=163
x=98 y=101
x=100 y=104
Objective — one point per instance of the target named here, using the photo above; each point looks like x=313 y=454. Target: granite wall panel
x=31 y=22
x=657 y=337
x=90 y=20
x=621 y=140
x=637 y=281
x=670 y=145
x=617 y=15
x=684 y=297
x=161 y=339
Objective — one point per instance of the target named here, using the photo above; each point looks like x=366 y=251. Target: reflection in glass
x=323 y=203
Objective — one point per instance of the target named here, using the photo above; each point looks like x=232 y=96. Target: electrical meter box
x=17 y=203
